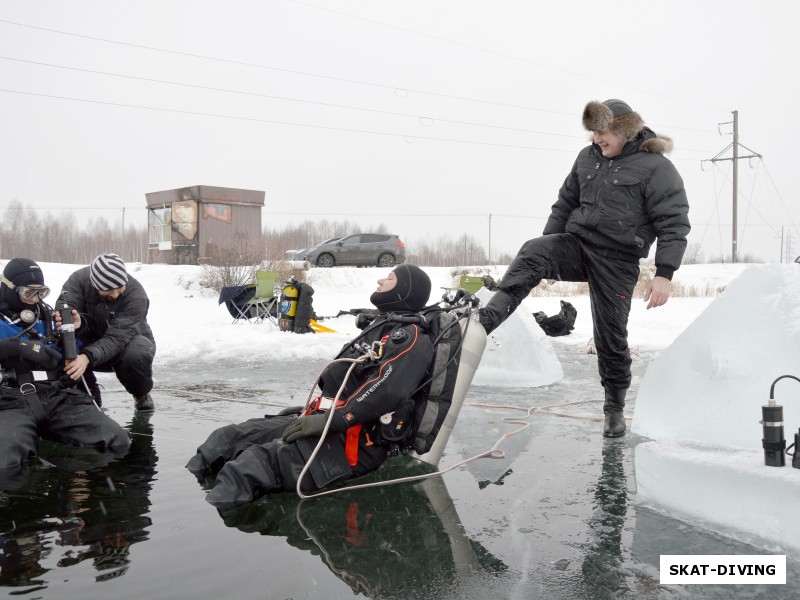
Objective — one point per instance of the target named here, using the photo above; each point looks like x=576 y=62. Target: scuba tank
x=296 y=307
x=473 y=343
x=288 y=306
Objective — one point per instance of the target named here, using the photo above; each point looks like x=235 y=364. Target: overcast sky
x=428 y=116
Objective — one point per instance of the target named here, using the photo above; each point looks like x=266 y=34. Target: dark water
x=555 y=519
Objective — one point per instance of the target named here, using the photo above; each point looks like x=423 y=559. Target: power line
x=286 y=98
x=63 y=209
x=398 y=90
x=394 y=88
x=406 y=137
x=501 y=54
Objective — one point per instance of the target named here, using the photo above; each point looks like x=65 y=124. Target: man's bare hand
x=76 y=367
x=658 y=292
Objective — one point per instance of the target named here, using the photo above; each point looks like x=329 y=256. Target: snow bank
x=709 y=385
x=518 y=353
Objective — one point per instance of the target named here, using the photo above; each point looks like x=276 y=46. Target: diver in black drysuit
x=265 y=455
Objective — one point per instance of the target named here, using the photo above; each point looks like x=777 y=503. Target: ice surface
x=700 y=401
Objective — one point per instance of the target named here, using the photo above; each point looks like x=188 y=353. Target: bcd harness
x=40 y=329
x=412 y=426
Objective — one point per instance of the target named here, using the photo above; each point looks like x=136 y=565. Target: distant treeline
x=62 y=238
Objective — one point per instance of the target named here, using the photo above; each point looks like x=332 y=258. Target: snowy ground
x=190 y=326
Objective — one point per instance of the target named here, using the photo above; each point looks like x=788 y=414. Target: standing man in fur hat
x=110 y=312
x=621 y=195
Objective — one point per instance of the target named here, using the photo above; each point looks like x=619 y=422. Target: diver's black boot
x=498 y=310
x=613 y=409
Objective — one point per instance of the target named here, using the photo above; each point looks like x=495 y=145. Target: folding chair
x=236 y=299
x=471 y=283
x=264 y=303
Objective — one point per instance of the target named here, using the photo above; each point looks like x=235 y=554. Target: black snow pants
x=252 y=460
x=53 y=412
x=565 y=257
x=133 y=366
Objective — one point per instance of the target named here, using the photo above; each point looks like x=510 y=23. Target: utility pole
x=718 y=158
x=782 y=228
x=489 y=258
x=123 y=233
x=786 y=244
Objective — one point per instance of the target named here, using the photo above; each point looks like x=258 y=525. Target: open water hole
x=556 y=518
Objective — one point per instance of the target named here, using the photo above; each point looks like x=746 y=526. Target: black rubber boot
x=144 y=403
x=613 y=409
x=496 y=311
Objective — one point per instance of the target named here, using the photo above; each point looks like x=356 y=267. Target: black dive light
x=774 y=442
x=68 y=345
x=795 y=455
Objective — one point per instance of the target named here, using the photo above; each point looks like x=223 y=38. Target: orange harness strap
x=351 y=444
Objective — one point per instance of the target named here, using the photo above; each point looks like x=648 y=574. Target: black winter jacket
x=106 y=328
x=620 y=206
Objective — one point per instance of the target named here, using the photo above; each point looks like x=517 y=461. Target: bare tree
x=693 y=254
x=231 y=265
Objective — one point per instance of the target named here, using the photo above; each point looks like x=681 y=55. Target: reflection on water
x=401 y=541
x=75 y=504
x=602 y=568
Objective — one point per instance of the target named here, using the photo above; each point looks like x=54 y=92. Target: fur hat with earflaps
x=614 y=115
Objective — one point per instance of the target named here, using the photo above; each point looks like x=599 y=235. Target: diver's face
x=32 y=294
x=387 y=283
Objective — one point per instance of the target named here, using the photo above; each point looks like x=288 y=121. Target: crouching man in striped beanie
x=109 y=308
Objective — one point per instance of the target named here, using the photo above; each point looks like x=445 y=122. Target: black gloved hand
x=309 y=426
x=490 y=284
x=9 y=348
x=291 y=410
x=39 y=354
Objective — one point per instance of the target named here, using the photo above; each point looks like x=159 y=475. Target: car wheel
x=326 y=261
x=386 y=260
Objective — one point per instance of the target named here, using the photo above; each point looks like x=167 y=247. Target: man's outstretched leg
x=546 y=257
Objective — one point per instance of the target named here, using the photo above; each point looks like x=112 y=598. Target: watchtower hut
x=187 y=224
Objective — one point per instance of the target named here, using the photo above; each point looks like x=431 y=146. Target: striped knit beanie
x=107 y=272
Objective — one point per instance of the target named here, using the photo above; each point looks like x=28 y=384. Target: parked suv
x=381 y=249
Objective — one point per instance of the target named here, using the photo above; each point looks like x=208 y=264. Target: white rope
x=493 y=452
x=370 y=355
